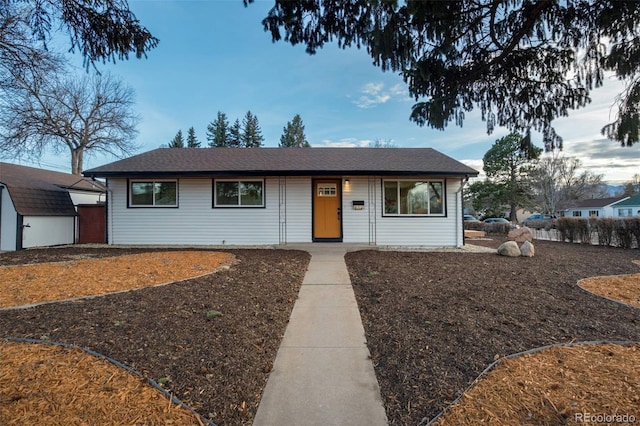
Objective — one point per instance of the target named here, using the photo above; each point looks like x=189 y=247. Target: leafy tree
x=507 y=164
x=251 y=132
x=99 y=30
x=177 y=141
x=522 y=63
x=86 y=115
x=487 y=197
x=293 y=134
x=218 y=131
x=192 y=140
x=235 y=135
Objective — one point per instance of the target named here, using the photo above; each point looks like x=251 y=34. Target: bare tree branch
x=84 y=116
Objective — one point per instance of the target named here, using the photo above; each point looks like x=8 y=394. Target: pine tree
x=293 y=134
x=235 y=135
x=177 y=141
x=523 y=64
x=251 y=135
x=192 y=140
x=218 y=131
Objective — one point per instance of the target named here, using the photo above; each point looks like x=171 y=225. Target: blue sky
x=214 y=56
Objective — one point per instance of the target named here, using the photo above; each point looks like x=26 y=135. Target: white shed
x=37 y=207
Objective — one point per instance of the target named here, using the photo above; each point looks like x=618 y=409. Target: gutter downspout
x=460 y=200
x=19 y=231
x=107 y=207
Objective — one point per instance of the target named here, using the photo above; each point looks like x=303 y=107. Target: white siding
x=194 y=222
x=635 y=211
x=298 y=210
x=287 y=217
x=42 y=231
x=8 y=222
x=355 y=223
x=424 y=231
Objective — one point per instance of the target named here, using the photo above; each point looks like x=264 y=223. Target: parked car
x=539 y=221
x=470 y=218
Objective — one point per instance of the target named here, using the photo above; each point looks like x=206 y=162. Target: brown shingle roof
x=285 y=161
x=38 y=192
x=597 y=202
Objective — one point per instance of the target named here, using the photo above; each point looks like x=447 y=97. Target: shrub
x=567 y=227
x=473 y=226
x=633 y=226
x=604 y=229
x=496 y=228
x=623 y=233
x=583 y=230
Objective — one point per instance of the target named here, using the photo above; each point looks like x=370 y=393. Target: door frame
x=337 y=180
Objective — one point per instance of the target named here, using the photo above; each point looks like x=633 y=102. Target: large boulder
x=521 y=235
x=527 y=249
x=509 y=248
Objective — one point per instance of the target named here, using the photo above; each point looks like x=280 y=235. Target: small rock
x=521 y=235
x=509 y=248
x=527 y=249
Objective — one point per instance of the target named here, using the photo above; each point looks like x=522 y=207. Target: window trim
x=214 y=202
x=131 y=205
x=443 y=182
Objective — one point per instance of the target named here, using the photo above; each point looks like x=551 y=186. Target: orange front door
x=327 y=214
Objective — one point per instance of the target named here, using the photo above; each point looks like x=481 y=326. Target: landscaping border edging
x=497 y=362
x=118 y=364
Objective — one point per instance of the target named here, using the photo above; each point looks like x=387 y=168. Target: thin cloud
x=346 y=143
x=374 y=94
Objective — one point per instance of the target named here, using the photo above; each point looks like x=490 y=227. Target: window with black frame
x=413 y=198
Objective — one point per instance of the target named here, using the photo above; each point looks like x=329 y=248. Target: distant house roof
x=631 y=201
x=596 y=202
x=38 y=192
x=164 y=162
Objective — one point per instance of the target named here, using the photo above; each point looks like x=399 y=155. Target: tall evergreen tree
x=177 y=141
x=192 y=140
x=522 y=63
x=507 y=165
x=251 y=133
x=235 y=135
x=218 y=131
x=293 y=134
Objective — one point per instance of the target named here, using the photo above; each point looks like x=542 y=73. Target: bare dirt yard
x=435 y=321
x=210 y=340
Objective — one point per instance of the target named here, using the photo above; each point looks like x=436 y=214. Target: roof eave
x=195 y=174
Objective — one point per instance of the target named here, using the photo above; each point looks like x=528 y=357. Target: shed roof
x=38 y=192
x=284 y=161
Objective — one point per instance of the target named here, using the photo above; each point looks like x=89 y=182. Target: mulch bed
x=555 y=386
x=217 y=364
x=53 y=281
x=435 y=321
x=44 y=384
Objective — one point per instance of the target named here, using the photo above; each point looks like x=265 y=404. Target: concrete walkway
x=322 y=374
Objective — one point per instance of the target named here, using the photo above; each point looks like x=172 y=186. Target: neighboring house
x=247 y=196
x=38 y=207
x=627 y=208
x=593 y=208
